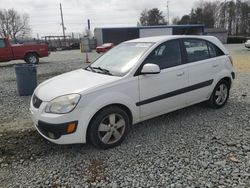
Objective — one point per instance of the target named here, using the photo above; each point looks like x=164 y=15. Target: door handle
x=215 y=66
x=180 y=74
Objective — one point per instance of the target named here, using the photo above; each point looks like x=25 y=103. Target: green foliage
x=152 y=17
x=236 y=39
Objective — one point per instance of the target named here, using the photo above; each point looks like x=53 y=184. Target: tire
x=32 y=58
x=220 y=94
x=109 y=127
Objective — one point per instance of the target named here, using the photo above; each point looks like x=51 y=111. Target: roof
x=157 y=26
x=157 y=39
x=160 y=39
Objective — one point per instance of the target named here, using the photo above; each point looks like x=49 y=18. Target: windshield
x=119 y=60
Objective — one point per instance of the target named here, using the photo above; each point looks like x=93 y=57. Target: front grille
x=36 y=101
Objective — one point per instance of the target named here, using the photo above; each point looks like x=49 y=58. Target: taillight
x=231 y=60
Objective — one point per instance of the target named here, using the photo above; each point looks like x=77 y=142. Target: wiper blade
x=106 y=71
x=91 y=68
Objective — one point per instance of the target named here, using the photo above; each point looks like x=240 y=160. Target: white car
x=247 y=44
x=135 y=81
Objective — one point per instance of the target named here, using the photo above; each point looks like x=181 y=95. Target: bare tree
x=14 y=25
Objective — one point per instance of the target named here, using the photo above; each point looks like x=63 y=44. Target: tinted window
x=214 y=50
x=196 y=50
x=166 y=55
x=2 y=44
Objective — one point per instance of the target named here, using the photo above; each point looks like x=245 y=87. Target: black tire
x=32 y=58
x=101 y=121
x=214 y=101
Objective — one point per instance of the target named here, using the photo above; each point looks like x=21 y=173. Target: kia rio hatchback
x=135 y=81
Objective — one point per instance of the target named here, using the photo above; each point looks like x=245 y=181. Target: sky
x=45 y=16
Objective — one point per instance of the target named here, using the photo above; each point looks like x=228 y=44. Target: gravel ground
x=193 y=147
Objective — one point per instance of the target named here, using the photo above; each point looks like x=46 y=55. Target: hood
x=72 y=82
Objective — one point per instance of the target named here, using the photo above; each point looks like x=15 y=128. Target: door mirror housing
x=150 y=68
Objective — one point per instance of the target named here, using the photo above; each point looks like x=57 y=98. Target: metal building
x=220 y=33
x=121 y=34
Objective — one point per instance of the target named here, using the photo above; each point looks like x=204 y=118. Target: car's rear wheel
x=32 y=58
x=109 y=127
x=220 y=95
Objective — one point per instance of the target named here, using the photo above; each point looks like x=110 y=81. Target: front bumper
x=55 y=131
x=52 y=126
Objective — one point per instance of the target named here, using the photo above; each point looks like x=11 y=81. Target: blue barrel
x=26 y=78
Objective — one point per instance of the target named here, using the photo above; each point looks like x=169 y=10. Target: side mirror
x=150 y=69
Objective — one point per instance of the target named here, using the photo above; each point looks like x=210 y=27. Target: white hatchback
x=137 y=80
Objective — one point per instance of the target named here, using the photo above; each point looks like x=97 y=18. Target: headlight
x=63 y=104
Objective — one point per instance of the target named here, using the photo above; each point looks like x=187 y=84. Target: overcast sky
x=45 y=14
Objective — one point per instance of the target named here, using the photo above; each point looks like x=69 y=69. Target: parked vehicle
x=28 y=52
x=135 y=81
x=247 y=44
x=104 y=48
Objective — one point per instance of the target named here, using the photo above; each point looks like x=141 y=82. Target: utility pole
x=168 y=12
x=63 y=28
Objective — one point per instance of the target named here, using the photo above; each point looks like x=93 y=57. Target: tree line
x=232 y=15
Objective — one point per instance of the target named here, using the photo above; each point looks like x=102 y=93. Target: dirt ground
x=241 y=56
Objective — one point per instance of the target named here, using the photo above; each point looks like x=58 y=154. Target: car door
x=201 y=70
x=163 y=92
x=5 y=52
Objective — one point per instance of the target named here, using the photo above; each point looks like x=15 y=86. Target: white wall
x=155 y=32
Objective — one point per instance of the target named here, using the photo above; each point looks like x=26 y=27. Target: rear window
x=2 y=43
x=196 y=49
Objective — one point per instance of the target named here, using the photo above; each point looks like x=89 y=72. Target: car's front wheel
x=109 y=127
x=220 y=95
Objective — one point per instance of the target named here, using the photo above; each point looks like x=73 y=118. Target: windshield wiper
x=89 y=67
x=105 y=71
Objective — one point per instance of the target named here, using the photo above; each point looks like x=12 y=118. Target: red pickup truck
x=28 y=52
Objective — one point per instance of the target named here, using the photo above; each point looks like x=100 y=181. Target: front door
x=163 y=92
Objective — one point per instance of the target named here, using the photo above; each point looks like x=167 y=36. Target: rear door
x=202 y=68
x=163 y=92
x=5 y=51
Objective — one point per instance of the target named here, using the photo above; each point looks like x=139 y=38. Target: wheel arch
x=122 y=106
x=228 y=80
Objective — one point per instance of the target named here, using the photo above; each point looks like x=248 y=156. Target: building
x=121 y=34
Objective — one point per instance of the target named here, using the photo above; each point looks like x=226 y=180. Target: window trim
x=138 y=71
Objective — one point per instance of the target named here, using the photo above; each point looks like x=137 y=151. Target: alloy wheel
x=111 y=128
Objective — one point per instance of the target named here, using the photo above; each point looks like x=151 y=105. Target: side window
x=2 y=43
x=214 y=50
x=196 y=50
x=166 y=55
